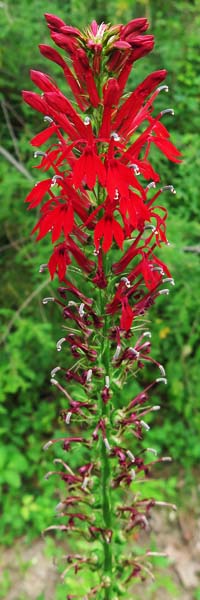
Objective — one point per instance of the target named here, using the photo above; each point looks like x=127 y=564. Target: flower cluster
x=105 y=219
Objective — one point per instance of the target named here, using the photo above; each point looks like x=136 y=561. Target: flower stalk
x=106 y=222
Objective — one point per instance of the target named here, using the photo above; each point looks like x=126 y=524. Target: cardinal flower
x=107 y=228
x=57 y=220
x=87 y=168
x=59 y=261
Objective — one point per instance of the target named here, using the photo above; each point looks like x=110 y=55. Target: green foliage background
x=28 y=405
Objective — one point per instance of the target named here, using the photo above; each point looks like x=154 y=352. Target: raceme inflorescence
x=100 y=202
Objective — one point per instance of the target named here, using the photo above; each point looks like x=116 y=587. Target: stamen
x=130 y=455
x=135 y=168
x=149 y=553
x=89 y=375
x=166 y=459
x=162 y=370
x=46 y=300
x=163 y=292
x=47 y=475
x=85 y=483
x=162 y=503
x=167 y=188
x=169 y=280
x=60 y=506
x=72 y=303
x=146 y=334
x=55 y=370
x=169 y=111
x=59 y=344
x=39 y=153
x=43 y=267
x=161 y=380
x=150 y=185
x=107 y=445
x=149 y=226
x=54 y=381
x=163 y=88
x=126 y=281
x=117 y=352
x=152 y=450
x=48 y=119
x=145 y=426
x=47 y=445
x=133 y=474
x=159 y=269
x=116 y=196
x=114 y=135
x=81 y=310
x=68 y=418
x=134 y=351
x=156 y=407
x=107 y=381
x=55 y=178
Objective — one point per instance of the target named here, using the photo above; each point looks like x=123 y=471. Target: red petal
x=107 y=235
x=43 y=136
x=118 y=234
x=37 y=193
x=98 y=232
x=167 y=148
x=68 y=220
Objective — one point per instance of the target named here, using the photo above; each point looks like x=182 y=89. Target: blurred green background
x=29 y=407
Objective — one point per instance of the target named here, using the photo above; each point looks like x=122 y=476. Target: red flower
x=107 y=228
x=127 y=315
x=38 y=192
x=59 y=261
x=57 y=220
x=87 y=168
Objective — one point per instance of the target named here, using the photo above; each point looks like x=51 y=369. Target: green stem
x=105 y=460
